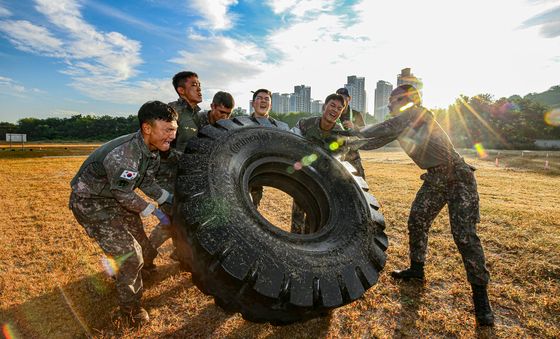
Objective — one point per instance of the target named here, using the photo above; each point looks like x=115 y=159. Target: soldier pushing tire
x=248 y=264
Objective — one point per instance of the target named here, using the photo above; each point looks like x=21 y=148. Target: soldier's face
x=262 y=104
x=396 y=102
x=218 y=112
x=332 y=111
x=191 y=91
x=159 y=134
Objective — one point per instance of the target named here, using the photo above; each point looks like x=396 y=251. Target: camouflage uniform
x=353 y=156
x=257 y=191
x=448 y=180
x=310 y=129
x=104 y=202
x=188 y=125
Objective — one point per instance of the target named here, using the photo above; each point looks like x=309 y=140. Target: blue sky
x=66 y=57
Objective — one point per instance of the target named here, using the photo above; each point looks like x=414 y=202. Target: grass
x=52 y=283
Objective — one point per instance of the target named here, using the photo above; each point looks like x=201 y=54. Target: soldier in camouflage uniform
x=448 y=180
x=262 y=103
x=188 y=88
x=346 y=118
x=220 y=108
x=321 y=131
x=105 y=203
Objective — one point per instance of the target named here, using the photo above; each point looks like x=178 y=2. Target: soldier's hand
x=348 y=124
x=169 y=199
x=163 y=218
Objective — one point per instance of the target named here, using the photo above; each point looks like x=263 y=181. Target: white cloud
x=214 y=12
x=110 y=53
x=100 y=64
x=300 y=8
x=11 y=87
x=456 y=48
x=222 y=63
x=32 y=38
x=4 y=12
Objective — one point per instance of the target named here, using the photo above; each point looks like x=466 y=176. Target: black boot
x=482 y=309
x=135 y=314
x=416 y=272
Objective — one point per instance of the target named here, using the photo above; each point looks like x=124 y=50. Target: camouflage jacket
x=202 y=119
x=188 y=123
x=116 y=169
x=311 y=130
x=418 y=133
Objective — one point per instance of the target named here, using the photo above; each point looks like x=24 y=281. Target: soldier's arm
x=123 y=175
x=375 y=136
x=150 y=186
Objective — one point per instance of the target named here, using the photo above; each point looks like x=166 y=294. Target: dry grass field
x=52 y=284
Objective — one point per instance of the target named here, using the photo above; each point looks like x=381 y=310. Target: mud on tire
x=249 y=265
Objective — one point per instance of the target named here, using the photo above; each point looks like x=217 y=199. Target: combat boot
x=137 y=315
x=482 y=309
x=416 y=272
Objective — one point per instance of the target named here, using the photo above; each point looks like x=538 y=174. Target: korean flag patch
x=129 y=175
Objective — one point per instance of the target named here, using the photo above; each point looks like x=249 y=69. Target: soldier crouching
x=105 y=203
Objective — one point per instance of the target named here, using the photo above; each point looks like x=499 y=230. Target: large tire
x=253 y=267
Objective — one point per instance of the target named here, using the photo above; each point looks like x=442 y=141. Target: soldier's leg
x=160 y=234
x=256 y=195
x=101 y=220
x=357 y=163
x=298 y=219
x=429 y=201
x=464 y=214
x=134 y=225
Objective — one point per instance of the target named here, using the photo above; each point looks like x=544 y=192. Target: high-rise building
x=406 y=77
x=276 y=103
x=356 y=87
x=316 y=106
x=284 y=103
x=302 y=99
x=382 y=93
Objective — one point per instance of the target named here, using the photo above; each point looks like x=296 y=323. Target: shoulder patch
x=129 y=175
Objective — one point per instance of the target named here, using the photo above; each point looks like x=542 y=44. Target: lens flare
x=480 y=150
x=112 y=265
x=552 y=118
x=407 y=106
x=334 y=146
x=8 y=331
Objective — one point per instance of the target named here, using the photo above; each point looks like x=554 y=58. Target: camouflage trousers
x=256 y=195
x=455 y=186
x=354 y=159
x=120 y=234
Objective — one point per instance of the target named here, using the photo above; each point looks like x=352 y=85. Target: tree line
x=505 y=123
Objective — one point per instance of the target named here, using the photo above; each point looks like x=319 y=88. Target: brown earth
x=52 y=283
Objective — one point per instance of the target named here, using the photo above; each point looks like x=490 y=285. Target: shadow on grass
x=411 y=295
x=83 y=308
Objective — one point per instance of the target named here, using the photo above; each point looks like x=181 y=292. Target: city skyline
x=69 y=57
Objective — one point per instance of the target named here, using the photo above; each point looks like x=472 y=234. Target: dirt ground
x=53 y=285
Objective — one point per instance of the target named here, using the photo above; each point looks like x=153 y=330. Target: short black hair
x=223 y=98
x=262 y=90
x=337 y=97
x=180 y=78
x=156 y=110
x=409 y=91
